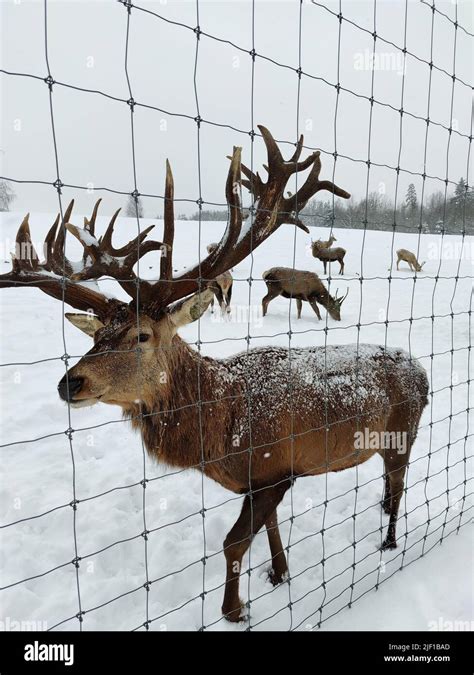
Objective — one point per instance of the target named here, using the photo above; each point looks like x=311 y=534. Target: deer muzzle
x=69 y=386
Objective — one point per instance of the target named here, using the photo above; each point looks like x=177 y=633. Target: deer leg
x=396 y=478
x=398 y=262
x=325 y=266
x=279 y=564
x=220 y=298
x=228 y=297
x=341 y=268
x=315 y=307
x=211 y=306
x=387 y=496
x=273 y=293
x=255 y=513
x=299 y=307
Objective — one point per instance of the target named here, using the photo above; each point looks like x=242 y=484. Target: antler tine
x=297 y=153
x=106 y=240
x=49 y=245
x=89 y=225
x=331 y=187
x=25 y=257
x=166 y=262
x=275 y=159
x=58 y=261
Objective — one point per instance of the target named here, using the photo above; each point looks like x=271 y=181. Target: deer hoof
x=388 y=545
x=237 y=615
x=276 y=578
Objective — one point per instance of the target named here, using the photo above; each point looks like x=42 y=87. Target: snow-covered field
x=106 y=462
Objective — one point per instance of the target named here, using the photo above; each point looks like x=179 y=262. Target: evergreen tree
x=459 y=192
x=411 y=200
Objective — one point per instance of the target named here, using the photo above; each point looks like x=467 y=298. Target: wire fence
x=319 y=577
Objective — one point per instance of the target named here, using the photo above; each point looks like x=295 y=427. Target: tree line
x=451 y=214
x=439 y=212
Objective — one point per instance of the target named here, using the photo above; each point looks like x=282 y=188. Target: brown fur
x=410 y=258
x=326 y=243
x=221 y=286
x=328 y=255
x=203 y=413
x=301 y=286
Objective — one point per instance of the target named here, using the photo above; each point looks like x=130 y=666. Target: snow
x=37 y=468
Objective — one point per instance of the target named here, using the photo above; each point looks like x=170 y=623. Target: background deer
x=328 y=255
x=221 y=286
x=300 y=285
x=315 y=398
x=327 y=243
x=410 y=258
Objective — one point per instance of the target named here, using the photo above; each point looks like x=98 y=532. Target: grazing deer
x=300 y=285
x=325 y=244
x=294 y=413
x=410 y=258
x=329 y=255
x=221 y=286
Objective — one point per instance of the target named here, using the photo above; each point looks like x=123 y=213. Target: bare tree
x=7 y=195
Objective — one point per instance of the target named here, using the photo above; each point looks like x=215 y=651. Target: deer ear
x=190 y=309
x=88 y=323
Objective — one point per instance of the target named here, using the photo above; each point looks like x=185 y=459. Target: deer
x=190 y=409
x=328 y=255
x=410 y=258
x=301 y=285
x=222 y=285
x=325 y=244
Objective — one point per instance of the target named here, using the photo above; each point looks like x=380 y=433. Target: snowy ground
x=37 y=468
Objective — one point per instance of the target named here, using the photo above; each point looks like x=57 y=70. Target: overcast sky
x=86 y=49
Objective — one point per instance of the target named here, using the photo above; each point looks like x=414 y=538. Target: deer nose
x=69 y=386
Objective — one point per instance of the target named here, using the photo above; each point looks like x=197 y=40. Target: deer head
x=132 y=350
x=334 y=305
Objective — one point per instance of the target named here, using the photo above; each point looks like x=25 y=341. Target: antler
x=271 y=209
x=340 y=300
x=294 y=203
x=59 y=277
x=53 y=276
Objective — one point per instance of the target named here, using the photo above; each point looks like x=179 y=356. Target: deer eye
x=143 y=337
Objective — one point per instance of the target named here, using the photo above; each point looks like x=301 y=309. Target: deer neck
x=170 y=421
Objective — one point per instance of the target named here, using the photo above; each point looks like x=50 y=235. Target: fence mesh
x=316 y=579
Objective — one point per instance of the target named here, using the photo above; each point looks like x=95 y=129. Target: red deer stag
x=221 y=286
x=316 y=398
x=328 y=255
x=300 y=285
x=410 y=258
